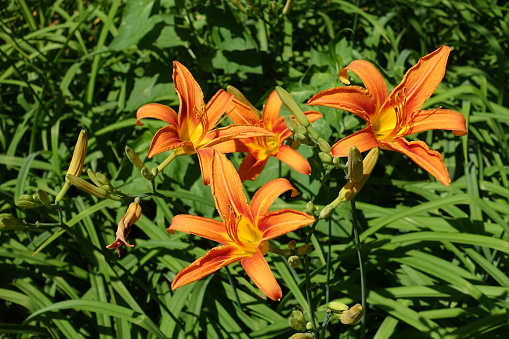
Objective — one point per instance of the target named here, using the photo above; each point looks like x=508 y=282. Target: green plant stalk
x=358 y=247
x=308 y=291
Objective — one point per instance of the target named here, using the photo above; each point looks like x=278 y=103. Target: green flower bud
x=87 y=187
x=287 y=252
x=326 y=212
x=102 y=179
x=352 y=316
x=355 y=172
x=302 y=336
x=350 y=190
x=134 y=158
x=309 y=325
x=301 y=138
x=146 y=173
x=324 y=146
x=296 y=324
x=288 y=7
x=326 y=158
x=292 y=106
x=337 y=306
x=79 y=154
x=27 y=201
x=10 y=223
x=303 y=250
x=93 y=176
x=294 y=261
x=298 y=315
x=292 y=245
x=43 y=197
x=291 y=124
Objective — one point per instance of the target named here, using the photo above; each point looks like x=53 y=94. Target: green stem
x=358 y=247
x=308 y=291
x=166 y=162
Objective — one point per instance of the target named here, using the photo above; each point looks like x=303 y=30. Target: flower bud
x=292 y=106
x=292 y=245
x=350 y=190
x=146 y=173
x=287 y=252
x=134 y=158
x=303 y=250
x=103 y=179
x=295 y=324
x=301 y=138
x=298 y=315
x=10 y=223
x=355 y=167
x=93 y=176
x=237 y=95
x=27 y=201
x=79 y=154
x=132 y=215
x=43 y=197
x=301 y=130
x=326 y=212
x=87 y=187
x=326 y=158
x=309 y=325
x=294 y=261
x=291 y=124
x=337 y=306
x=324 y=146
x=352 y=316
x=288 y=7
x=302 y=336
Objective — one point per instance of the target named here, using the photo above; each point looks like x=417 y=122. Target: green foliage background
x=436 y=257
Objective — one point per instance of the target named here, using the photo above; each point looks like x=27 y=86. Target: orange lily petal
x=212 y=261
x=312 y=115
x=227 y=188
x=229 y=146
x=353 y=99
x=189 y=92
x=205 y=158
x=165 y=139
x=271 y=110
x=422 y=80
x=439 y=119
x=241 y=114
x=157 y=111
x=370 y=76
x=277 y=223
x=200 y=226
x=259 y=271
x=293 y=159
x=217 y=106
x=419 y=152
x=250 y=168
x=267 y=194
x=220 y=135
x=364 y=140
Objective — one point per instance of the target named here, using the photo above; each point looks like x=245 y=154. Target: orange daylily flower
x=132 y=215
x=244 y=230
x=260 y=149
x=392 y=117
x=192 y=129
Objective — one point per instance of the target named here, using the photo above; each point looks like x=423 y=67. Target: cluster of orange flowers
x=246 y=228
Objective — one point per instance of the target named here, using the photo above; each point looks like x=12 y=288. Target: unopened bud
x=155 y=172
x=351 y=189
x=93 y=176
x=146 y=173
x=301 y=130
x=27 y=201
x=298 y=315
x=287 y=252
x=302 y=336
x=294 y=261
x=324 y=145
x=87 y=187
x=309 y=325
x=134 y=158
x=326 y=212
x=288 y=7
x=303 y=250
x=238 y=96
x=292 y=245
x=352 y=316
x=291 y=124
x=79 y=154
x=103 y=179
x=10 y=223
x=292 y=106
x=355 y=167
x=43 y=197
x=301 y=138
x=336 y=161
x=337 y=306
x=296 y=324
x=326 y=158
